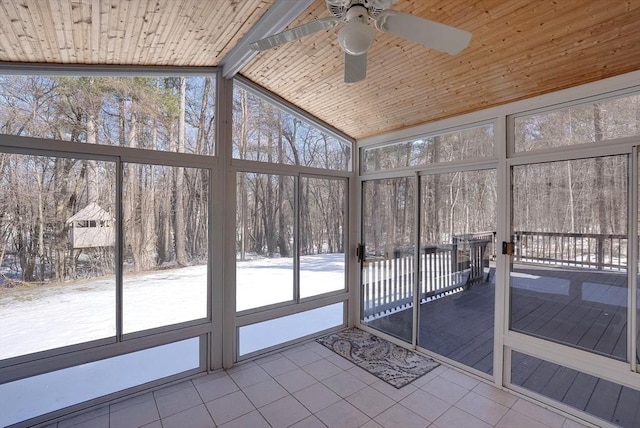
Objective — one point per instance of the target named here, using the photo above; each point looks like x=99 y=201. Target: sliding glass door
x=568 y=281
x=457 y=268
x=388 y=228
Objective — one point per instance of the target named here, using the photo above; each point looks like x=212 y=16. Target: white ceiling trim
x=277 y=18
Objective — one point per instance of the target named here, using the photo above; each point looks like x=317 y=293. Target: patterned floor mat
x=391 y=363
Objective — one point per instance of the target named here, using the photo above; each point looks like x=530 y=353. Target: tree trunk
x=242 y=177
x=92 y=175
x=602 y=202
x=181 y=253
x=41 y=226
x=283 y=244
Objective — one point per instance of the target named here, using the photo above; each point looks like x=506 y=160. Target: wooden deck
x=577 y=307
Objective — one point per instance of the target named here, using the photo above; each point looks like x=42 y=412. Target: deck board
x=589 y=313
x=580 y=392
x=560 y=383
x=604 y=399
x=627 y=411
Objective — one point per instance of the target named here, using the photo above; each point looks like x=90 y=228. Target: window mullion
x=297 y=194
x=119 y=250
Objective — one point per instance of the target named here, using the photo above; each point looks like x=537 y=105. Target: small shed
x=91 y=227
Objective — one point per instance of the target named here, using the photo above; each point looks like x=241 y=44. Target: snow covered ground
x=52 y=316
x=264 y=282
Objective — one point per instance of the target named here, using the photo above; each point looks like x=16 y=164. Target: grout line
x=343 y=399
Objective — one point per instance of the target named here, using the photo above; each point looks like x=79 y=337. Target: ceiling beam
x=277 y=18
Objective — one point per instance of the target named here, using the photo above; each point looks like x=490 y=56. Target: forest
x=266 y=213
x=587 y=196
x=164 y=208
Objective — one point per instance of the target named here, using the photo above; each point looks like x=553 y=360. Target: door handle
x=360 y=253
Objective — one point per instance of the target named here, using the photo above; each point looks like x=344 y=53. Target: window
x=98 y=250
x=266 y=334
x=470 y=143
x=58 y=280
x=291 y=223
x=165 y=245
x=587 y=123
x=158 y=113
x=606 y=400
x=288 y=245
x=33 y=396
x=264 y=240
x=568 y=281
x=322 y=240
x=265 y=133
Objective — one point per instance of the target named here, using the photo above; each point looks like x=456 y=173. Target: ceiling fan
x=356 y=36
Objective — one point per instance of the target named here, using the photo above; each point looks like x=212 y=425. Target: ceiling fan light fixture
x=356 y=37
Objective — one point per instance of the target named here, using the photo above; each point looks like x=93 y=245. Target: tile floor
x=310 y=386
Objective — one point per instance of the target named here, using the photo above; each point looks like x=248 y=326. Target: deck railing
x=595 y=251
x=387 y=281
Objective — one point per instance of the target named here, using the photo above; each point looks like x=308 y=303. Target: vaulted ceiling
x=519 y=49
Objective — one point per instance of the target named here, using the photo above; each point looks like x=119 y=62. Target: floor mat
x=391 y=363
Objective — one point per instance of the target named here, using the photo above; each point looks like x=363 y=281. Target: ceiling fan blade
x=431 y=34
x=355 y=67
x=295 y=33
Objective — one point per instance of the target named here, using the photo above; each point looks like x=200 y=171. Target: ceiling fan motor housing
x=356 y=37
x=338 y=8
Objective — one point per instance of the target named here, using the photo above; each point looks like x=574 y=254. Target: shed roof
x=92 y=211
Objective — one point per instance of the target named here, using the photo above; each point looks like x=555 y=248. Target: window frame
x=22 y=366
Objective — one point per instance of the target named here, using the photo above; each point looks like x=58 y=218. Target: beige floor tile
x=83 y=417
x=250 y=376
x=539 y=413
x=216 y=388
x=445 y=390
x=229 y=407
x=322 y=369
x=344 y=384
x=295 y=380
x=99 y=422
x=279 y=366
x=495 y=394
x=196 y=417
x=396 y=394
x=455 y=417
x=284 y=412
x=342 y=415
x=310 y=422
x=398 y=416
x=460 y=378
x=265 y=392
x=426 y=405
x=303 y=357
x=363 y=375
x=516 y=419
x=252 y=420
x=372 y=424
x=483 y=408
x=316 y=397
x=370 y=401
x=135 y=416
x=178 y=401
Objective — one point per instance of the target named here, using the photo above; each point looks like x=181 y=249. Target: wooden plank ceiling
x=519 y=49
x=124 y=32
